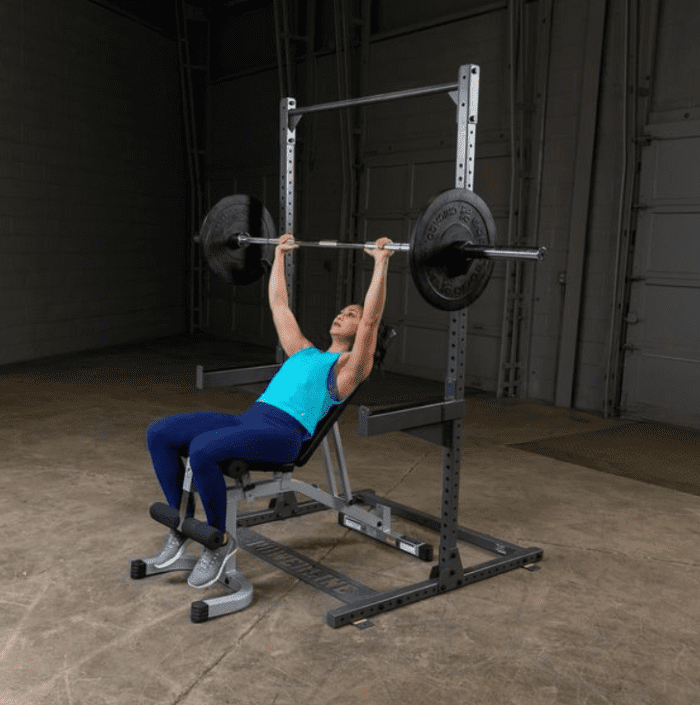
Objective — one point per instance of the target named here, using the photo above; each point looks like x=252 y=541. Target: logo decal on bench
x=311 y=572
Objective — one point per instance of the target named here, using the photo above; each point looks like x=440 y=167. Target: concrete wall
x=599 y=261
x=562 y=109
x=92 y=181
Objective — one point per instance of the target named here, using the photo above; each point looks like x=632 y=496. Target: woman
x=273 y=429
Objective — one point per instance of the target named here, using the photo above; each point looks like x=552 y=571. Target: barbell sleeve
x=503 y=252
x=473 y=251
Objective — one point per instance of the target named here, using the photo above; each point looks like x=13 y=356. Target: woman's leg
x=260 y=435
x=169 y=439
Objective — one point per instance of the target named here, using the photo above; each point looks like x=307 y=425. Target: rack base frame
x=361 y=602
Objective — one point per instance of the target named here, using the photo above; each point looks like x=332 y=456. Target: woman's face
x=347 y=322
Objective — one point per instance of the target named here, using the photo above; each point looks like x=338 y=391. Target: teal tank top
x=304 y=387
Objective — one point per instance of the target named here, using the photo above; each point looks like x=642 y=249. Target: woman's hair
x=385 y=336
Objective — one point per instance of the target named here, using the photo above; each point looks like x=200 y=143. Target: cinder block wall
x=93 y=239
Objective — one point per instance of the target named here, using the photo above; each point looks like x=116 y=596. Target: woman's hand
x=287 y=243
x=378 y=253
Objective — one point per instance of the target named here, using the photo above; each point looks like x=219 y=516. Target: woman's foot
x=211 y=564
x=173 y=549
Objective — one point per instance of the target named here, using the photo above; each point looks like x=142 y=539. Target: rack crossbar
x=379 y=98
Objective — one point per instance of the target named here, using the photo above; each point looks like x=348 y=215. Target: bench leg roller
x=203 y=533
x=165 y=514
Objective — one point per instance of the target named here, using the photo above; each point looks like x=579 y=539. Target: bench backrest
x=324 y=426
x=384 y=339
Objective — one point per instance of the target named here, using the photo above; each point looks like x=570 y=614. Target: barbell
x=472 y=251
x=451 y=251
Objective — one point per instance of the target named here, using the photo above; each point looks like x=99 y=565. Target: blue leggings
x=261 y=434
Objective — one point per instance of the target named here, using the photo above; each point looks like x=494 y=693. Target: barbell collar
x=471 y=251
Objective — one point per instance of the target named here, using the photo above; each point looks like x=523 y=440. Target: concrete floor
x=611 y=616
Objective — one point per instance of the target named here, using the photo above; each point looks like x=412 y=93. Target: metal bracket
x=294 y=121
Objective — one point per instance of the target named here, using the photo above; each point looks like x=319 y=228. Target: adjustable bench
x=439 y=423
x=374 y=522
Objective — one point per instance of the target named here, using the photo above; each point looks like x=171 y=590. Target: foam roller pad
x=165 y=514
x=203 y=533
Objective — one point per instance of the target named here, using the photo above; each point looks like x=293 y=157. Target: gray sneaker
x=173 y=549
x=211 y=565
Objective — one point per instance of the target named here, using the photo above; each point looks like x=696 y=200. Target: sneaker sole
x=172 y=560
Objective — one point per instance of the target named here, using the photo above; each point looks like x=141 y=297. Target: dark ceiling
x=160 y=15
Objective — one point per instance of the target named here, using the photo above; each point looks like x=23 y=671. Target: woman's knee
x=154 y=431
x=163 y=434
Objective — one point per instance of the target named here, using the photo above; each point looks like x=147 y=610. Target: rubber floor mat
x=661 y=455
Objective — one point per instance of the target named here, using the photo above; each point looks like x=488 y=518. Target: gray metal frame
x=439 y=423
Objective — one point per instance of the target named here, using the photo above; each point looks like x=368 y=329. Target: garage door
x=662 y=348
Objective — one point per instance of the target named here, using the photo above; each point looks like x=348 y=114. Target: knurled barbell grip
x=241 y=238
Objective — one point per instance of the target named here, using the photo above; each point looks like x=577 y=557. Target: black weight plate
x=446 y=279
x=239 y=213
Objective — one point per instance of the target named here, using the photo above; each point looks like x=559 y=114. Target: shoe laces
x=207 y=558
